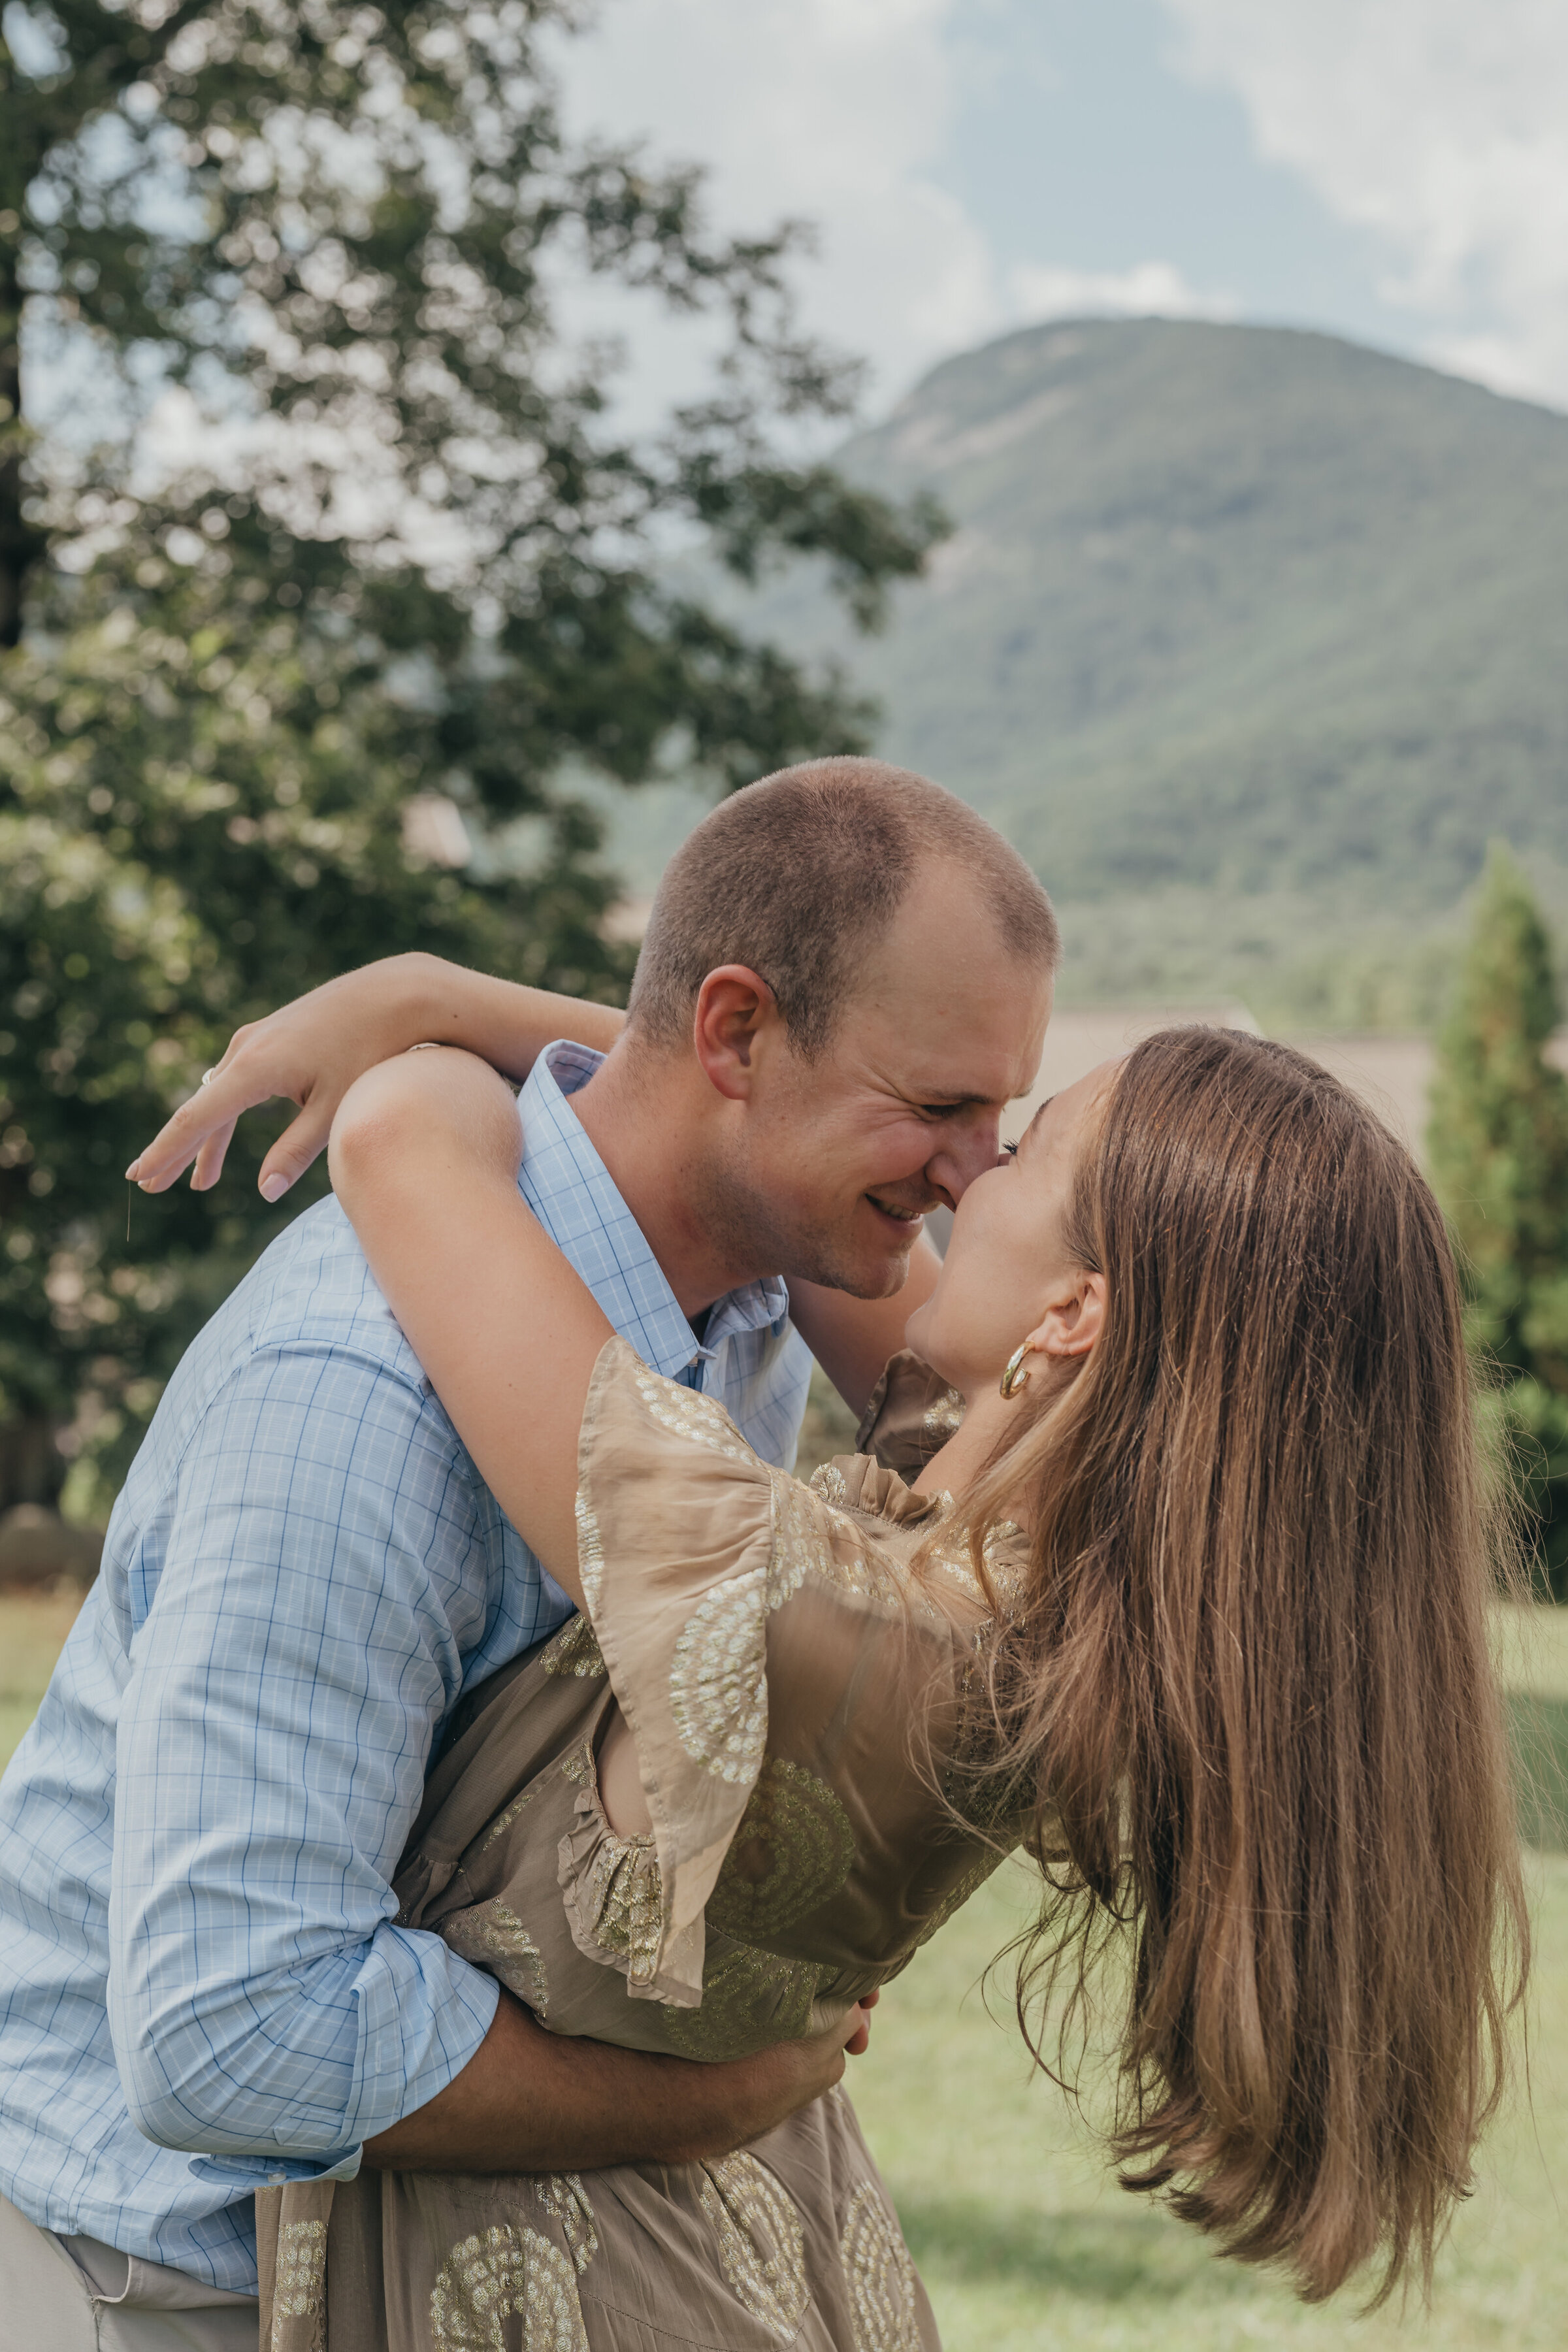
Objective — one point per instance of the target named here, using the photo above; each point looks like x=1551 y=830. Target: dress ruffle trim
x=911 y=1414
x=613 y=1891
x=854 y=1482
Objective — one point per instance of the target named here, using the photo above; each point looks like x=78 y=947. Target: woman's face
x=1008 y=1267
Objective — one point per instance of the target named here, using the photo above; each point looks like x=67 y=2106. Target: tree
x=1499 y=1146
x=404 y=552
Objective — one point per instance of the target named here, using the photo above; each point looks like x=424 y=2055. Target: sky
x=1395 y=170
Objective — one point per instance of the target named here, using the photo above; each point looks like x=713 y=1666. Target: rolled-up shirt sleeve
x=284 y=1691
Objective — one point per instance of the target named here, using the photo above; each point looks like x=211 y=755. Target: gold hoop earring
x=1011 y=1381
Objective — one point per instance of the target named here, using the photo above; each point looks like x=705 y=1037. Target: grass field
x=32 y=1628
x=1026 y=2244
x=1024 y=2239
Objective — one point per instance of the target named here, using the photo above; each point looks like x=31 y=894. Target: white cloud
x=1153 y=289
x=842 y=112
x=1442 y=127
x=838 y=111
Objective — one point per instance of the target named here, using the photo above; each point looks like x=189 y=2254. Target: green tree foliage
x=403 y=550
x=1499 y=1144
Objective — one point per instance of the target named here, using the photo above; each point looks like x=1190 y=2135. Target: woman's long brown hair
x=1249 y=1684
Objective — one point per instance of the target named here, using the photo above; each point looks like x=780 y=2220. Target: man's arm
x=852 y=1338
x=304 y=1641
x=529 y=2101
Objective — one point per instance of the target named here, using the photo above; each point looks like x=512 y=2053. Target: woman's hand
x=311 y=1050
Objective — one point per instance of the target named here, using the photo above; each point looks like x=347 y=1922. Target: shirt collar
x=572 y=1194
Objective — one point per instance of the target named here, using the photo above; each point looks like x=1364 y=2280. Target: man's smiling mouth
x=908 y=1218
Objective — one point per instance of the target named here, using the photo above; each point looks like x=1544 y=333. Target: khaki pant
x=77 y=2294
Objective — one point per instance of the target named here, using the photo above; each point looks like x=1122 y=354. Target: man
x=203 y=1987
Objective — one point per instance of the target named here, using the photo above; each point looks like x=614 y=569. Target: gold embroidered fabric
x=507 y=1819
x=791 y=1852
x=291 y=2233
x=717 y=1680
x=828 y=1482
x=613 y=1896
x=689 y=1414
x=803 y=1542
x=942 y=1419
x=734 y=1585
x=750 y=1999
x=493 y=1937
x=574 y=1650
x=301 y=2268
x=762 y=2241
x=501 y=2272
x=566 y=2199
x=1001 y=1553
x=883 y=2300
x=912 y=1416
x=590 y=1553
x=789 y=1683
x=959 y=1892
x=790 y=2242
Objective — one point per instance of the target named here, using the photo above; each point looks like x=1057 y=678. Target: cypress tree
x=1498 y=1150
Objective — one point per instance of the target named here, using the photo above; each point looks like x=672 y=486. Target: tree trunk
x=32 y=1468
x=20 y=544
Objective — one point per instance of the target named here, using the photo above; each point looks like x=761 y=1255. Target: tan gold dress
x=792 y=1692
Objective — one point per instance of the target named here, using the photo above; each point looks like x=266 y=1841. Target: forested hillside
x=1230 y=606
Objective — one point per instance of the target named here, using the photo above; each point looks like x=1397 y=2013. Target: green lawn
x=32 y=1628
x=1533 y=1652
x=1025 y=2242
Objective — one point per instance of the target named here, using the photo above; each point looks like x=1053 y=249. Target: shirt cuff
x=418 y=2028
x=420 y=2012
x=253 y=2172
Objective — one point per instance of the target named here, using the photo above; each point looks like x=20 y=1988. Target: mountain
x=1235 y=608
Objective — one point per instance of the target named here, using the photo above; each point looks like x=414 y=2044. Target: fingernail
x=274 y=1187
x=131 y=1171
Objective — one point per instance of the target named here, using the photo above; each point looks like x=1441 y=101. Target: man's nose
x=969 y=1147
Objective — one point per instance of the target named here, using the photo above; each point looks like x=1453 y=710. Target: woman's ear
x=1073 y=1322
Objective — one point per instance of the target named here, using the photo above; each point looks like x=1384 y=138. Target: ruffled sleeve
x=912 y=1416
x=688 y=1543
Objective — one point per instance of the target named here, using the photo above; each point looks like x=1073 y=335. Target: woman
x=1203 y=1630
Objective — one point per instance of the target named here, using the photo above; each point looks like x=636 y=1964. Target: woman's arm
x=423 y=1158
x=312 y=1051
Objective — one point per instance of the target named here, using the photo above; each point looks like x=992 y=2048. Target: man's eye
x=1010 y=1150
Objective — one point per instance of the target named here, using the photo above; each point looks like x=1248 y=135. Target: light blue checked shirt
x=302 y=1575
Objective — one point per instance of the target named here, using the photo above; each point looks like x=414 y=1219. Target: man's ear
x=734 y=1004
x=1074 y=1321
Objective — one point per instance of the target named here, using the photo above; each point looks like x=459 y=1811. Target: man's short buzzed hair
x=797 y=876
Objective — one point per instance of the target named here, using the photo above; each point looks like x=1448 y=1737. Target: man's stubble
x=749 y=1225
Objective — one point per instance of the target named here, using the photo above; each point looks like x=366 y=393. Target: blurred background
x=442 y=448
